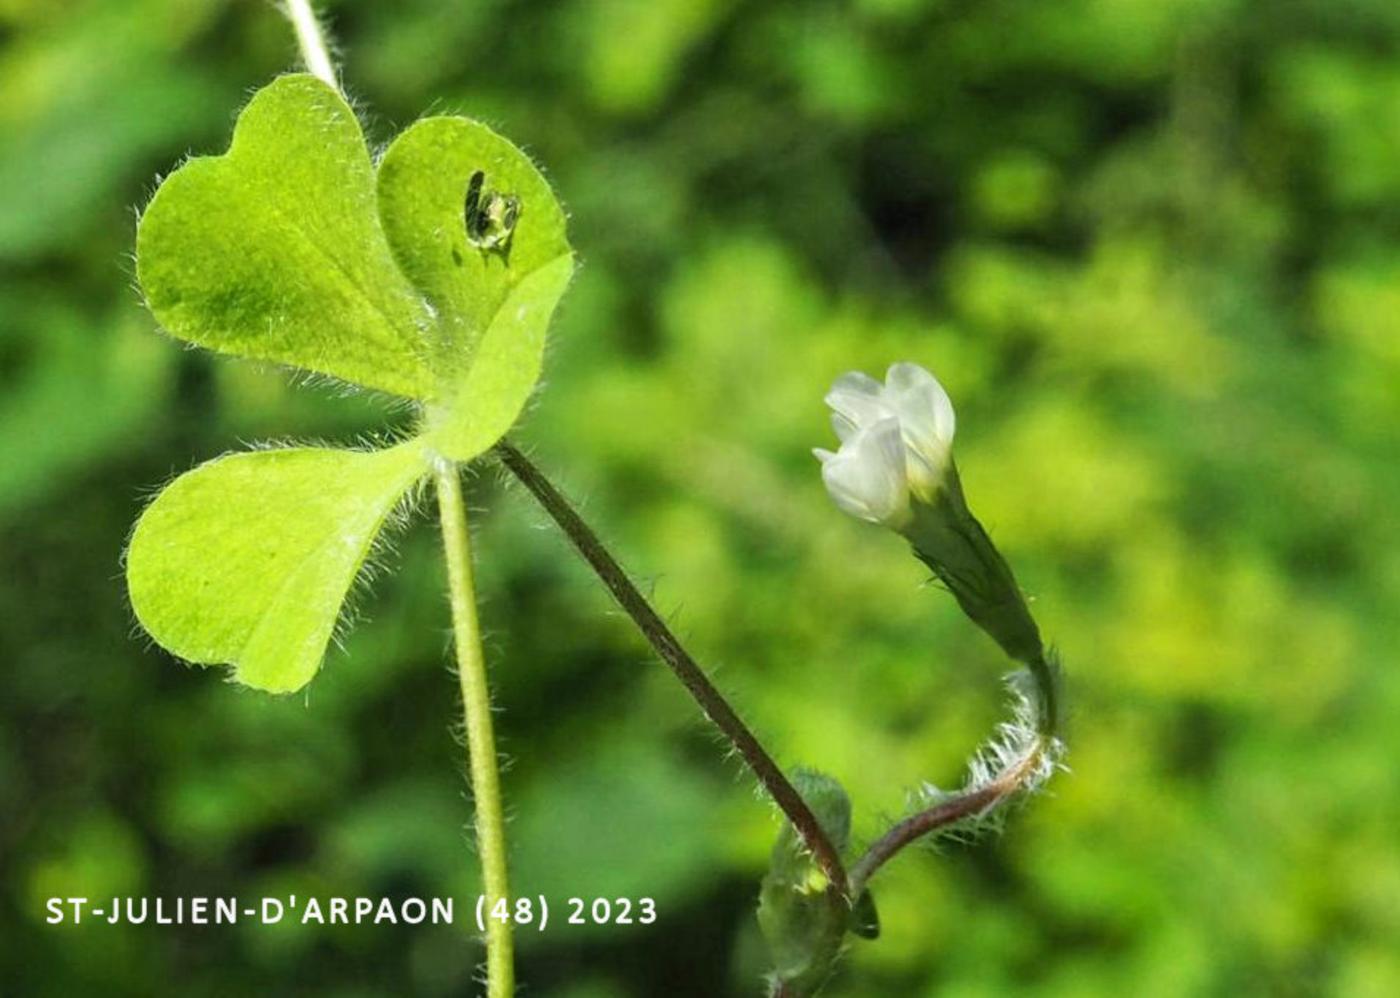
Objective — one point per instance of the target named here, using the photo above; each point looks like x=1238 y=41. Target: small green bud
x=803 y=922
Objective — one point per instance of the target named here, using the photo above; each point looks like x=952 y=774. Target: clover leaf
x=432 y=277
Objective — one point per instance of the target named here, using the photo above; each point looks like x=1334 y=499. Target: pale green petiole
x=481 y=742
x=312 y=41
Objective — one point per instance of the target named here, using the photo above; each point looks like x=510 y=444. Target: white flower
x=896 y=439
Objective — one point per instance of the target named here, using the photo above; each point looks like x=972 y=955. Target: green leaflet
x=248 y=558
x=493 y=302
x=481 y=406
x=274 y=250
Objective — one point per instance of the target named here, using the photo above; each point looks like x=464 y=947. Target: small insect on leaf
x=489 y=216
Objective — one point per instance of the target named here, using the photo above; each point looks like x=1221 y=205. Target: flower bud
x=895 y=468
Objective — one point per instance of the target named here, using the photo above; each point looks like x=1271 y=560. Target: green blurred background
x=1152 y=247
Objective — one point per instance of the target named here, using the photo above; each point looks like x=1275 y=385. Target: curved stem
x=1027 y=771
x=941 y=815
x=312 y=41
x=692 y=677
x=481 y=742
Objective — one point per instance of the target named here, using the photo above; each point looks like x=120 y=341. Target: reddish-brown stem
x=942 y=814
x=692 y=677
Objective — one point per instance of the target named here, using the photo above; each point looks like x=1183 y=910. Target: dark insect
x=489 y=216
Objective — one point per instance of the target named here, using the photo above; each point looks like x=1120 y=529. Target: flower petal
x=867 y=477
x=926 y=418
x=845 y=429
x=858 y=399
x=923 y=406
x=858 y=382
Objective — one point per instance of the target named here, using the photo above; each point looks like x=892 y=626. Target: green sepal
x=865 y=917
x=952 y=542
x=248 y=559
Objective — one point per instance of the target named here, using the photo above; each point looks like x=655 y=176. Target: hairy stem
x=312 y=41
x=692 y=677
x=481 y=742
x=483 y=764
x=941 y=815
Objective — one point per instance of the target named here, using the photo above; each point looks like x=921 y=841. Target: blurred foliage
x=1151 y=246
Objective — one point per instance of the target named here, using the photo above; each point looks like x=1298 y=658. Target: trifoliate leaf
x=434 y=280
x=274 y=250
x=476 y=228
x=248 y=559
